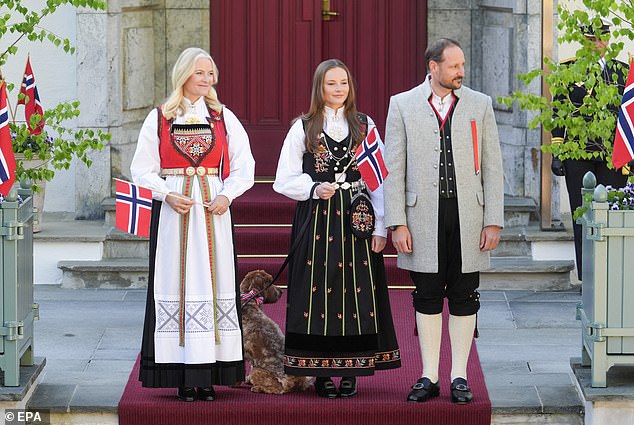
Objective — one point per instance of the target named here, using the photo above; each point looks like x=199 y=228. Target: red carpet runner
x=381 y=398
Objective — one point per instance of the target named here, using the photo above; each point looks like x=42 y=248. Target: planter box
x=606 y=311
x=17 y=310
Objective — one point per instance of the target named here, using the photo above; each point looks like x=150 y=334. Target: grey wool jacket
x=411 y=190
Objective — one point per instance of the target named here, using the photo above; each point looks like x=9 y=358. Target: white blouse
x=291 y=181
x=146 y=164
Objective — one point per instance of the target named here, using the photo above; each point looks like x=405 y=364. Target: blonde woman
x=194 y=154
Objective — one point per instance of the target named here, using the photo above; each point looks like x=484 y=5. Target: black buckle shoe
x=423 y=390
x=460 y=391
x=326 y=388
x=348 y=386
x=206 y=394
x=186 y=393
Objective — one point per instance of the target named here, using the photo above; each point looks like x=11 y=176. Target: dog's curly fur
x=264 y=341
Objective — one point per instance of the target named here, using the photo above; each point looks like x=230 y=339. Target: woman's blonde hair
x=183 y=69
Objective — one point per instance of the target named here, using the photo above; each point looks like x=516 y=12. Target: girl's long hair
x=314 y=119
x=183 y=69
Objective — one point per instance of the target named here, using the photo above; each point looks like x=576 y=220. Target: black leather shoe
x=348 y=386
x=460 y=391
x=423 y=390
x=206 y=394
x=186 y=393
x=326 y=388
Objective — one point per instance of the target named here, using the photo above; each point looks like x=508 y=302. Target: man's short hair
x=436 y=49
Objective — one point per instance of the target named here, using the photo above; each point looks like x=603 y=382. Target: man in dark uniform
x=613 y=73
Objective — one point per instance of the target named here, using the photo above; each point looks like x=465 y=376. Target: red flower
x=306 y=314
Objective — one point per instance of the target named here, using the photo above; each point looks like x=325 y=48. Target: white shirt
x=146 y=163
x=291 y=181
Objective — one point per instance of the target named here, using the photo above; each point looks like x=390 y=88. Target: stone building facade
x=126 y=52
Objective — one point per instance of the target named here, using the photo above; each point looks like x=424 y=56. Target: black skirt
x=172 y=375
x=338 y=319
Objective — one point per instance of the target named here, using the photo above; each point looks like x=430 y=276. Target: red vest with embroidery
x=173 y=157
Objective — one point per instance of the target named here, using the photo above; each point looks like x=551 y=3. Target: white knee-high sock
x=429 y=334
x=461 y=334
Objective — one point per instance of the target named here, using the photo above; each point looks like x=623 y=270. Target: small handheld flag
x=133 y=208
x=7 y=159
x=370 y=161
x=32 y=105
x=624 y=140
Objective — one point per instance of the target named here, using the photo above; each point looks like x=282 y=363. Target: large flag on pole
x=133 y=208
x=32 y=105
x=624 y=141
x=7 y=160
x=370 y=160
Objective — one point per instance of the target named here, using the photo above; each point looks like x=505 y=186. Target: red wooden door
x=267 y=50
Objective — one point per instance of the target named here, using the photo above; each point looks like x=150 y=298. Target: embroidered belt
x=357 y=185
x=189 y=171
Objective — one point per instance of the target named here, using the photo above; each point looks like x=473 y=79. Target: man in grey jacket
x=444 y=201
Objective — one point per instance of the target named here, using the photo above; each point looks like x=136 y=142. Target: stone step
x=515 y=242
x=518 y=211
x=505 y=273
x=119 y=244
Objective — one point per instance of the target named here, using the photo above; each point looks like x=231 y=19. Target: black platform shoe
x=326 y=388
x=460 y=391
x=348 y=386
x=423 y=390
x=186 y=393
x=206 y=394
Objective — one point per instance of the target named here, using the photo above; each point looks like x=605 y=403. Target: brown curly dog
x=264 y=340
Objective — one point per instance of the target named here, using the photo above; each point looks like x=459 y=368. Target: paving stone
x=544 y=315
x=495 y=314
x=54 y=292
x=121 y=338
x=514 y=399
x=55 y=397
x=138 y=295
x=96 y=398
x=559 y=398
x=573 y=296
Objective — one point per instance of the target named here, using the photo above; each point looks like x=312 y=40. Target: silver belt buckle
x=346 y=185
x=201 y=171
x=190 y=171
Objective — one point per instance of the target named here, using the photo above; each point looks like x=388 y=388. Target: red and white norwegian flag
x=32 y=105
x=133 y=208
x=7 y=159
x=370 y=160
x=624 y=141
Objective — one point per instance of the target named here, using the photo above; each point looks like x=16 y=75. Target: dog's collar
x=252 y=294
